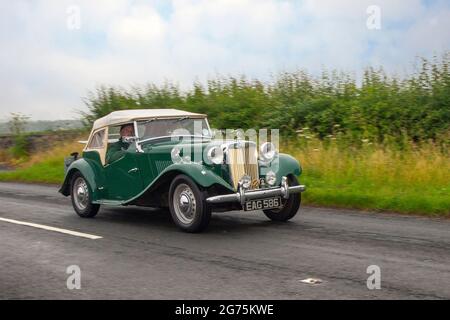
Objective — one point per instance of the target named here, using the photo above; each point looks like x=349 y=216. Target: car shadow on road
x=235 y=222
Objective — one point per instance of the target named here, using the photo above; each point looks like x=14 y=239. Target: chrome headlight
x=268 y=151
x=271 y=178
x=215 y=155
x=245 y=182
x=175 y=155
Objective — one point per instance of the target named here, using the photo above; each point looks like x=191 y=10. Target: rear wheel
x=290 y=206
x=187 y=205
x=80 y=196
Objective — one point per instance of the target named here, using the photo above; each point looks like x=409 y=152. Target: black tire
x=290 y=205
x=190 y=213
x=83 y=207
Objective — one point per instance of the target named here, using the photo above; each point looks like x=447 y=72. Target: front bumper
x=245 y=195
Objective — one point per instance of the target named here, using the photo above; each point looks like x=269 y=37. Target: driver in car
x=117 y=149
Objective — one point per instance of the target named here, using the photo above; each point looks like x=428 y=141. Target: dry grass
x=57 y=152
x=379 y=165
x=415 y=180
x=44 y=167
x=4 y=156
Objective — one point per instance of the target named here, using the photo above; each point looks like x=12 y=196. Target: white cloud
x=46 y=68
x=143 y=27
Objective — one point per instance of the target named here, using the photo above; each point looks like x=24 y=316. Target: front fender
x=85 y=168
x=284 y=165
x=200 y=174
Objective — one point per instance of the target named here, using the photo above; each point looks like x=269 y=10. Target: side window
x=113 y=134
x=141 y=129
x=97 y=141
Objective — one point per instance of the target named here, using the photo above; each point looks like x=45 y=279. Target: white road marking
x=41 y=226
x=311 y=281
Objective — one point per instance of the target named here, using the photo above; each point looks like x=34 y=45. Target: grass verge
x=372 y=177
x=415 y=180
x=45 y=167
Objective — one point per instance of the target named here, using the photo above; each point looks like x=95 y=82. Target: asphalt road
x=142 y=255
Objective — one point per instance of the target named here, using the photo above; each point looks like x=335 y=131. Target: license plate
x=262 y=204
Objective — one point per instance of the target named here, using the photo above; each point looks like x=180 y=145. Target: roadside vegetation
x=413 y=180
x=379 y=143
x=379 y=108
x=19 y=151
x=43 y=167
x=378 y=177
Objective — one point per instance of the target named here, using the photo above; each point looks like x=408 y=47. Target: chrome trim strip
x=136 y=132
x=175 y=136
x=242 y=195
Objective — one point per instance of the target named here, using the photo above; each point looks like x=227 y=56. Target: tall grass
x=380 y=177
x=43 y=167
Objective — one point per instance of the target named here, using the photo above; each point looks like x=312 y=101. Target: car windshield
x=155 y=128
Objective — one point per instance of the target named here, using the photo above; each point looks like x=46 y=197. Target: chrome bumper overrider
x=244 y=195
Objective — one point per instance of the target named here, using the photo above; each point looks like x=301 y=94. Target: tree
x=17 y=126
x=17 y=123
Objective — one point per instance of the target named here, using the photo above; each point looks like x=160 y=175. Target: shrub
x=19 y=150
x=380 y=108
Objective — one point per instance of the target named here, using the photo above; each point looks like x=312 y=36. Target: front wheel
x=290 y=206
x=187 y=205
x=81 y=200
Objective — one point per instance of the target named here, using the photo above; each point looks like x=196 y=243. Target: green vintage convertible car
x=168 y=158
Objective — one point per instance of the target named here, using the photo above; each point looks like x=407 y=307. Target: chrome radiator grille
x=243 y=161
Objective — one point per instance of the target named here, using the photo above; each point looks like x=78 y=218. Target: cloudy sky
x=53 y=52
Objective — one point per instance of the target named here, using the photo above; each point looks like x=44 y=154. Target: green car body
x=145 y=170
x=155 y=170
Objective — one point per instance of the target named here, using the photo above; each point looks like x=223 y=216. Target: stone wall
x=40 y=141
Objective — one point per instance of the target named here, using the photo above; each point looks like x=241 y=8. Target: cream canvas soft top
x=98 y=139
x=124 y=116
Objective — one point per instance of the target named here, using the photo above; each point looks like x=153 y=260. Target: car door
x=123 y=176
